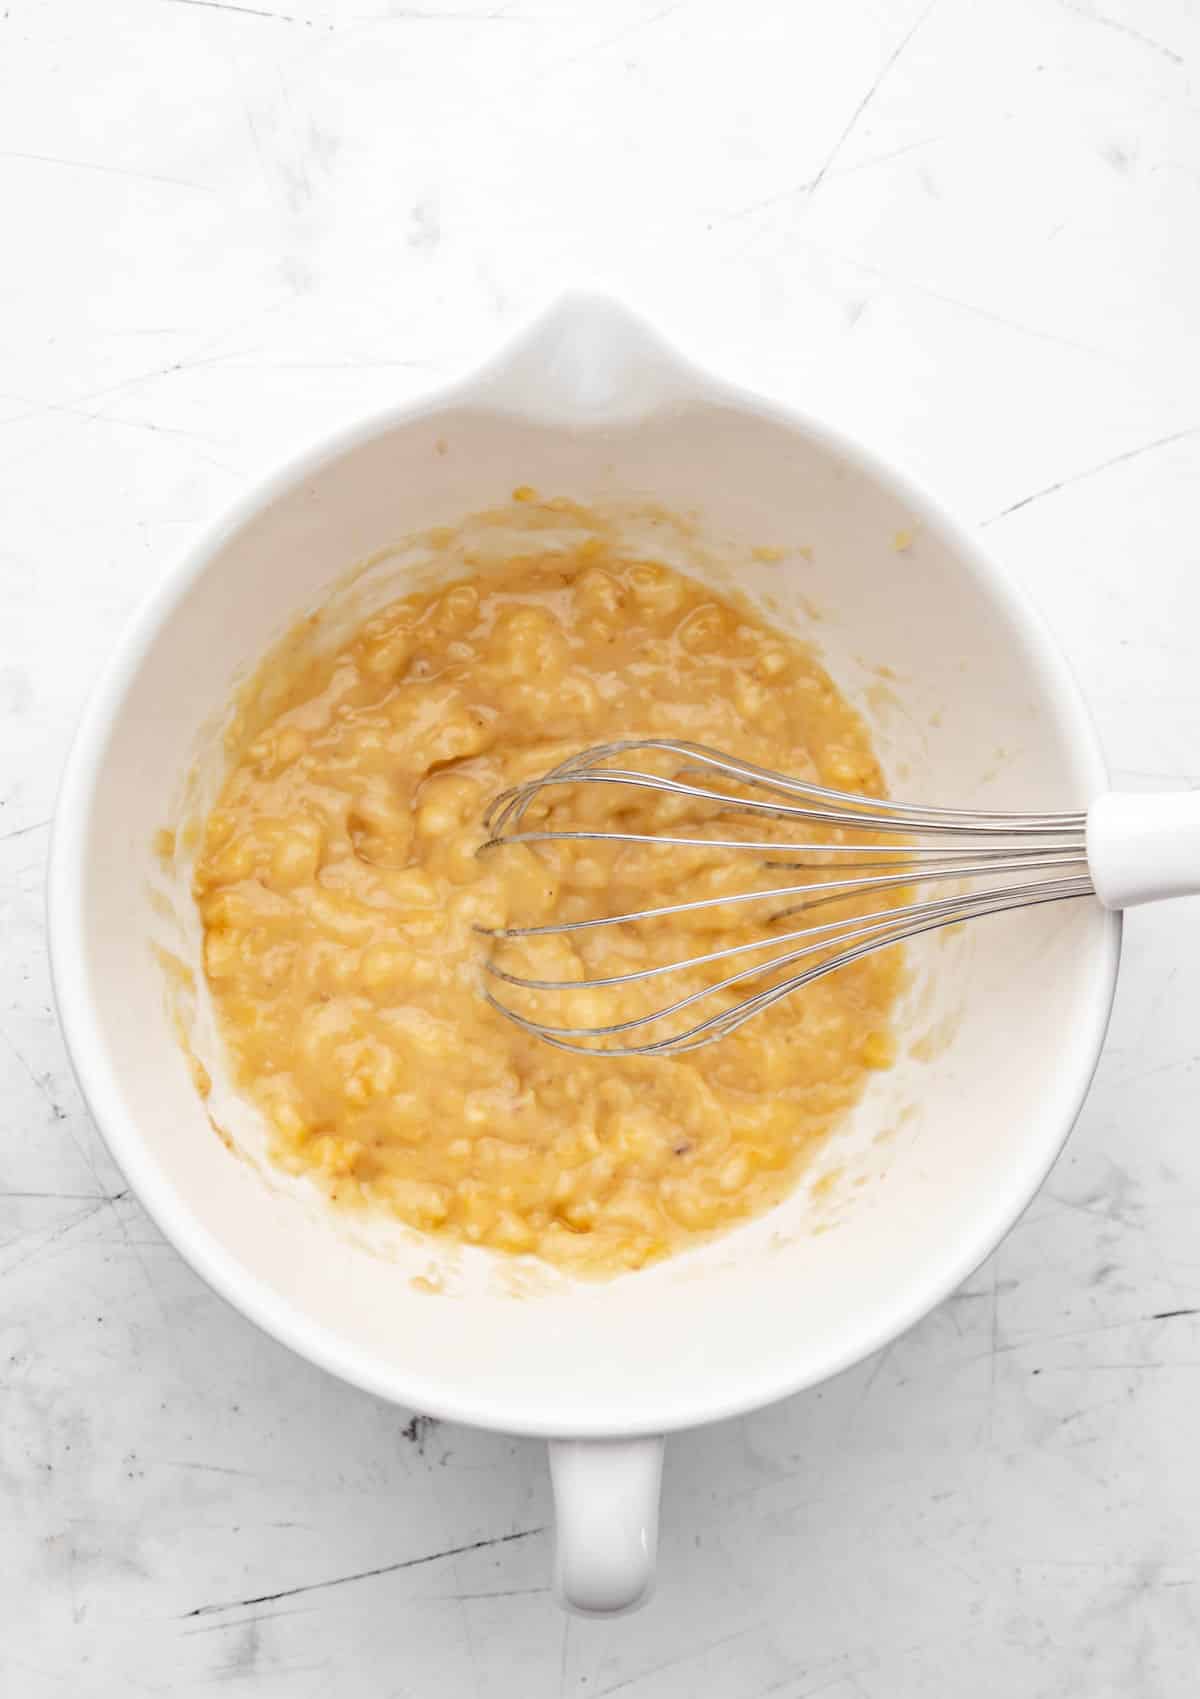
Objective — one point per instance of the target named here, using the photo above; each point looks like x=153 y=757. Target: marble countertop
x=965 y=232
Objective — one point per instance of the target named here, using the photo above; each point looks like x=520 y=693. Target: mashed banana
x=341 y=892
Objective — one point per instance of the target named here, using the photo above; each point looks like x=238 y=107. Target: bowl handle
x=606 y=1515
x=587 y=360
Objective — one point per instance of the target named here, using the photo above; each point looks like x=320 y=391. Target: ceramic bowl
x=1004 y=1024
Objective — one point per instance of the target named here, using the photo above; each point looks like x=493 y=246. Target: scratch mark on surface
x=157 y=430
x=341 y=365
x=876 y=1370
x=1101 y=1565
x=496 y=1593
x=411 y=14
x=246 y=11
x=637 y=28
x=1134 y=1367
x=258 y=146
x=1089 y=1410
x=1088 y=1206
x=833 y=1672
x=76 y=405
x=834 y=1681
x=1170 y=1315
x=688 y=1657
x=1093 y=472
x=1183 y=1064
x=202 y=357
x=976 y=311
x=108 y=170
x=247 y=1621
x=135 y=1251
x=878 y=159
x=1123 y=29
x=866 y=100
x=1035 y=1341
x=63 y=1197
x=95 y=415
x=805 y=187
x=23 y=831
x=190 y=364
x=363 y=1574
x=211 y=1468
x=968 y=1295
x=44 y=1244
x=900 y=284
x=56 y=1109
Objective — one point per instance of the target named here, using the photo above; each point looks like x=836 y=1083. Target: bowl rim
x=502 y=1407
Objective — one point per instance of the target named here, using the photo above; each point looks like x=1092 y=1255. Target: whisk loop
x=935 y=845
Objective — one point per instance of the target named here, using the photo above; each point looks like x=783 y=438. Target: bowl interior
x=1003 y=1022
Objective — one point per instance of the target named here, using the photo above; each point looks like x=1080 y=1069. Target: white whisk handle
x=1143 y=848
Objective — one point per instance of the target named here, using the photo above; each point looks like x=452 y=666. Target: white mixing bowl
x=947 y=1148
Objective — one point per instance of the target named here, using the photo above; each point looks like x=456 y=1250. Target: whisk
x=1124 y=849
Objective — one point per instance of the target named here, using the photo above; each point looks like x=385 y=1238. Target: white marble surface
x=964 y=230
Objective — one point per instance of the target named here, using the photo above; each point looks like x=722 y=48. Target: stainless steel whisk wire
x=999 y=844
